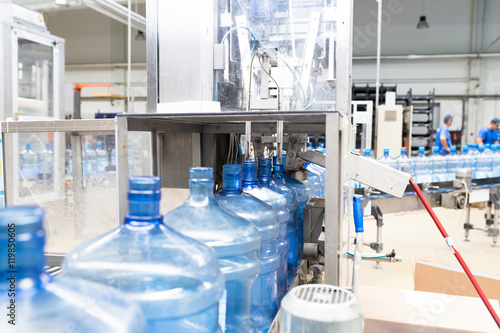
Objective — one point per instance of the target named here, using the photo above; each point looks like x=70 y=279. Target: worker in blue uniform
x=489 y=133
x=443 y=137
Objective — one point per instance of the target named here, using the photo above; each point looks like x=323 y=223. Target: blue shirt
x=488 y=136
x=443 y=130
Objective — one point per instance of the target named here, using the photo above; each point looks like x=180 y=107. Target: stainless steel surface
x=313 y=219
x=81 y=127
x=314 y=157
x=152 y=54
x=377 y=175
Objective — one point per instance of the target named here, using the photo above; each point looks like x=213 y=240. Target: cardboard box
x=396 y=310
x=451 y=280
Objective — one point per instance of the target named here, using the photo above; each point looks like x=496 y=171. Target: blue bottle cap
x=465 y=149
x=368 y=151
x=480 y=148
x=453 y=148
x=435 y=149
x=386 y=150
x=403 y=150
x=28 y=146
x=421 y=150
x=99 y=144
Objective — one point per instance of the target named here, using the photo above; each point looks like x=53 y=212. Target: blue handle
x=358 y=213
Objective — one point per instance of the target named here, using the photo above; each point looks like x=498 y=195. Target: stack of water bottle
x=219 y=262
x=483 y=160
x=35 y=166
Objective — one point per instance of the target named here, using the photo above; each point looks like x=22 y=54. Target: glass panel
x=35 y=79
x=77 y=208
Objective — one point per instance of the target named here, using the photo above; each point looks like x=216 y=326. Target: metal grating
x=323 y=295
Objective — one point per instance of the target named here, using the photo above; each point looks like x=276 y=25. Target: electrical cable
x=255 y=38
x=450 y=244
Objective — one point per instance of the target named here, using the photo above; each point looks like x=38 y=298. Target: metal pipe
x=379 y=36
x=129 y=53
x=429 y=56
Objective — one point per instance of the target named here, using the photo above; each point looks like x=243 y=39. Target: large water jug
x=235 y=240
x=321 y=173
x=422 y=167
x=28 y=163
x=32 y=301
x=280 y=175
x=266 y=180
x=387 y=160
x=252 y=186
x=404 y=163
x=89 y=160
x=453 y=163
x=102 y=159
x=469 y=160
x=496 y=161
x=484 y=164
x=440 y=171
x=487 y=149
x=317 y=186
x=368 y=153
x=46 y=162
x=264 y=291
x=175 y=279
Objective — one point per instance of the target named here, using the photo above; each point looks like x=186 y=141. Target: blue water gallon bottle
x=252 y=186
x=89 y=160
x=28 y=163
x=280 y=175
x=235 y=240
x=175 y=279
x=46 y=162
x=32 y=301
x=102 y=159
x=404 y=163
x=422 y=166
x=266 y=180
x=440 y=169
x=264 y=291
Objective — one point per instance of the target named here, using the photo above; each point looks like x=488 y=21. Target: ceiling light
x=140 y=36
x=62 y=3
x=422 y=24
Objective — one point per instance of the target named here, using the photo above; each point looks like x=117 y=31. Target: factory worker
x=443 y=137
x=489 y=134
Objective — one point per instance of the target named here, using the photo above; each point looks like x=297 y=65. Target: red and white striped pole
x=461 y=260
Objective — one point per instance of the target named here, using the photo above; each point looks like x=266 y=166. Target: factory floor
x=413 y=233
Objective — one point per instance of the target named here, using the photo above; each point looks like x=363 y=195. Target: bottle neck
x=232 y=183
x=144 y=197
x=201 y=191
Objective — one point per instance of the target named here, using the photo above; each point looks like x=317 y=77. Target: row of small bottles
x=483 y=160
x=219 y=261
x=94 y=161
x=36 y=165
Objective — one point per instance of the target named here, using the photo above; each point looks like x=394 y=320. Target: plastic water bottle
x=453 y=163
x=422 y=167
x=315 y=181
x=46 y=162
x=484 y=164
x=32 y=301
x=235 y=240
x=266 y=180
x=175 y=279
x=264 y=304
x=496 y=161
x=473 y=148
x=28 y=163
x=280 y=175
x=89 y=160
x=387 y=160
x=469 y=160
x=404 y=163
x=321 y=173
x=440 y=171
x=252 y=186
x=102 y=159
x=487 y=149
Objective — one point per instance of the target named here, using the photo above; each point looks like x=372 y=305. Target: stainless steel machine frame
x=332 y=123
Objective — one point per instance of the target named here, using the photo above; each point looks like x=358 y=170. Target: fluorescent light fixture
x=117 y=12
x=422 y=24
